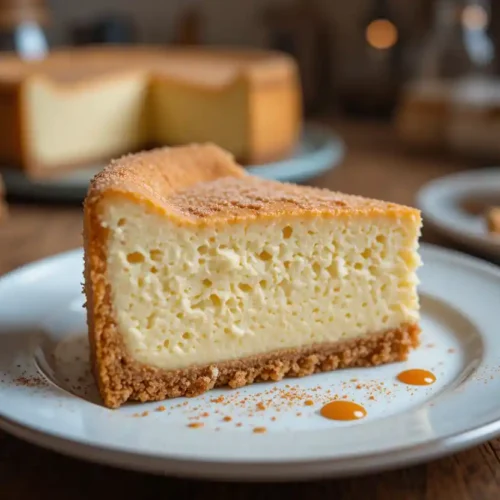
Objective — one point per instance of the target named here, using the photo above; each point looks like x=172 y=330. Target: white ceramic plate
x=318 y=150
x=441 y=202
x=47 y=396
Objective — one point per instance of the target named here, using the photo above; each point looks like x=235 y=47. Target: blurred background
x=355 y=58
x=406 y=92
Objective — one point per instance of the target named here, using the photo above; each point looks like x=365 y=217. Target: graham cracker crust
x=143 y=383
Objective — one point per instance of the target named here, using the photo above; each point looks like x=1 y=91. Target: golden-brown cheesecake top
x=207 y=66
x=202 y=184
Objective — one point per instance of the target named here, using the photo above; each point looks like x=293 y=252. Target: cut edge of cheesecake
x=199 y=186
x=253 y=69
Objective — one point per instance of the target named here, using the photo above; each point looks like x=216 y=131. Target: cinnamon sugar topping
x=200 y=182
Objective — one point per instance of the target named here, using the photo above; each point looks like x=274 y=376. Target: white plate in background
x=47 y=396
x=318 y=151
x=442 y=205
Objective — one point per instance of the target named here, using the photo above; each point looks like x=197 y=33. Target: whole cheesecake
x=198 y=275
x=87 y=105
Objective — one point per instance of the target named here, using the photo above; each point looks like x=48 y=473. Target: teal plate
x=318 y=151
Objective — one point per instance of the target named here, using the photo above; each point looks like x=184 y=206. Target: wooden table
x=375 y=166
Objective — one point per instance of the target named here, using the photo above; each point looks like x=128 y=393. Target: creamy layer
x=194 y=295
x=86 y=122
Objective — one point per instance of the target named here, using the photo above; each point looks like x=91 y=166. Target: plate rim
x=257 y=470
x=472 y=241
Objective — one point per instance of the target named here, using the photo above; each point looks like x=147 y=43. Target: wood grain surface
x=374 y=166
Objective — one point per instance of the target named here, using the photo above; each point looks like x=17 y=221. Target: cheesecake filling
x=67 y=124
x=188 y=295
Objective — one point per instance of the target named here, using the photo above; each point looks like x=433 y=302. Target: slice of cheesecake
x=198 y=275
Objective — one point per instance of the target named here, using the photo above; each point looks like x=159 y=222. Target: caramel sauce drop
x=343 y=410
x=417 y=377
x=195 y=425
x=259 y=430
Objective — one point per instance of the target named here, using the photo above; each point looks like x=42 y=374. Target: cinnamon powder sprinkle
x=259 y=430
x=196 y=425
x=143 y=414
x=161 y=408
x=30 y=381
x=279 y=399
